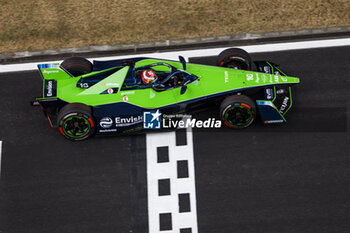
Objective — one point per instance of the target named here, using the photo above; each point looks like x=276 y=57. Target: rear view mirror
x=183 y=61
x=183 y=89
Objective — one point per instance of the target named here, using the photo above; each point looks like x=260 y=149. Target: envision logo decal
x=106 y=122
x=49 y=89
x=127 y=121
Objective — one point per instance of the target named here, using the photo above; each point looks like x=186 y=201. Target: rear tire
x=77 y=66
x=234 y=58
x=237 y=111
x=75 y=121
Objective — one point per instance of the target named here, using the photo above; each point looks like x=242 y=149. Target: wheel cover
x=238 y=116
x=76 y=127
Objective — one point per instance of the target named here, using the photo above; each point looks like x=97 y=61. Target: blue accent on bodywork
x=113 y=91
x=132 y=78
x=93 y=79
x=264 y=67
x=269 y=93
x=126 y=110
x=103 y=65
x=47 y=66
x=125 y=113
x=269 y=113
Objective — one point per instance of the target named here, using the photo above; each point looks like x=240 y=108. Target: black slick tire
x=77 y=66
x=237 y=111
x=75 y=122
x=235 y=58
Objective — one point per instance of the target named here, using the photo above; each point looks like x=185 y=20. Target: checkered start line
x=171 y=183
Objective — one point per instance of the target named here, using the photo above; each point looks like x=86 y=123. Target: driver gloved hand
x=175 y=81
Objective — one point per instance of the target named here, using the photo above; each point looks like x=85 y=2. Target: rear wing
x=50 y=74
x=52 y=71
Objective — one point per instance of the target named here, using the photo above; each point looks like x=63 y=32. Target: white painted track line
x=169 y=204
x=202 y=52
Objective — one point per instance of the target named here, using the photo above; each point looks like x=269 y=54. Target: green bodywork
x=211 y=80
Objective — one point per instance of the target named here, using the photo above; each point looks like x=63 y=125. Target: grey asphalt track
x=288 y=178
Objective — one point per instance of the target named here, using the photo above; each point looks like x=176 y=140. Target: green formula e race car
x=116 y=96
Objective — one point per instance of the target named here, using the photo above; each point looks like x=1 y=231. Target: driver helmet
x=148 y=76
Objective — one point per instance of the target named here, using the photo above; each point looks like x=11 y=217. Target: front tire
x=75 y=121
x=238 y=111
x=234 y=58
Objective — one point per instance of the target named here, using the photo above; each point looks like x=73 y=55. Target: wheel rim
x=76 y=126
x=238 y=116
x=237 y=63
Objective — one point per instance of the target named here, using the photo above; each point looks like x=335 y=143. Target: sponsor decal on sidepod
x=106 y=122
x=49 y=89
